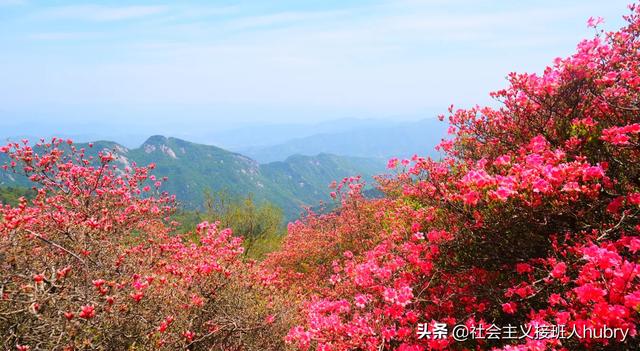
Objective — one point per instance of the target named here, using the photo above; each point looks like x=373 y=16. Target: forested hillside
x=192 y=169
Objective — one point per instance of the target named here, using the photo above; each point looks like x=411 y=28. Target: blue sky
x=174 y=66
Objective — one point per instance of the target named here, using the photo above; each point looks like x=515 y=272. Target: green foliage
x=11 y=195
x=259 y=223
x=292 y=184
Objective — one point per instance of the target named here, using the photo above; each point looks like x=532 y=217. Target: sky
x=173 y=67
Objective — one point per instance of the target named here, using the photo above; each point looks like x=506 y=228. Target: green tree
x=260 y=224
x=11 y=195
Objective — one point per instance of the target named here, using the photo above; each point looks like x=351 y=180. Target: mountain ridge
x=401 y=139
x=194 y=168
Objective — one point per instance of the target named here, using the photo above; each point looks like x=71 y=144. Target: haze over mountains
x=379 y=140
x=270 y=142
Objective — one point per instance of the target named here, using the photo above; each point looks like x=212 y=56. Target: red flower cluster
x=531 y=219
x=92 y=262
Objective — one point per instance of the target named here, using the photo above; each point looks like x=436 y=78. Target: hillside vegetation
x=193 y=169
x=525 y=236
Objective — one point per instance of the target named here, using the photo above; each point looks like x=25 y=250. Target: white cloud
x=100 y=13
x=63 y=35
x=12 y=2
x=283 y=18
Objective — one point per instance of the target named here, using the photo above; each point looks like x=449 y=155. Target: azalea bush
x=530 y=219
x=89 y=263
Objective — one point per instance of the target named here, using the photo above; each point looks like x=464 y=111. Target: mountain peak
x=156 y=140
x=159 y=143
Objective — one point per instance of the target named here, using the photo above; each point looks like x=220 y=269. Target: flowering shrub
x=90 y=263
x=530 y=219
x=313 y=242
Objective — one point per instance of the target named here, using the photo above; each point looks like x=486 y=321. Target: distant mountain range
x=193 y=168
x=264 y=135
x=264 y=143
x=376 y=139
x=290 y=165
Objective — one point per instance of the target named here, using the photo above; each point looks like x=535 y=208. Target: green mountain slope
x=306 y=178
x=195 y=168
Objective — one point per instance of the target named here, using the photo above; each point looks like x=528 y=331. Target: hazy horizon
x=134 y=69
x=234 y=137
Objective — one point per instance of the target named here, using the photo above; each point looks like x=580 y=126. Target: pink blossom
x=471 y=198
x=589 y=293
x=559 y=270
x=87 y=312
x=594 y=22
x=510 y=307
